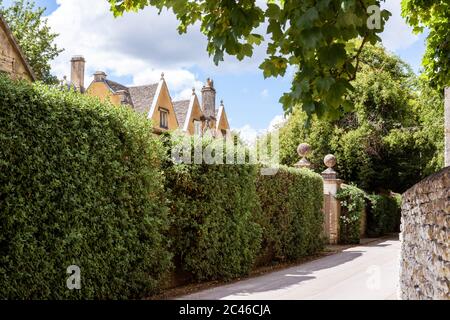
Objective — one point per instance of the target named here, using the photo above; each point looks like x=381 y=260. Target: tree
x=392 y=138
x=33 y=35
x=434 y=15
x=313 y=36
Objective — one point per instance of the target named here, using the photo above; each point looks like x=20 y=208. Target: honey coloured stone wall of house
x=11 y=59
x=101 y=91
x=425 y=237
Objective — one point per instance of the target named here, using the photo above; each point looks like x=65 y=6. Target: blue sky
x=135 y=49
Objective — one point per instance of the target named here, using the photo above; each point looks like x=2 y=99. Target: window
x=163 y=118
x=197 y=127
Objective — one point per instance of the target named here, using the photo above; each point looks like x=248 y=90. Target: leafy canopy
x=434 y=15
x=313 y=36
x=392 y=139
x=33 y=35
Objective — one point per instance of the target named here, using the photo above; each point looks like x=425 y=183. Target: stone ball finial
x=162 y=75
x=193 y=90
x=221 y=102
x=303 y=149
x=329 y=160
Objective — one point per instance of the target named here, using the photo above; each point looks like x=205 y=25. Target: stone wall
x=425 y=235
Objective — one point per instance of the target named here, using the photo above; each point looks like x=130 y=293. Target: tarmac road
x=365 y=272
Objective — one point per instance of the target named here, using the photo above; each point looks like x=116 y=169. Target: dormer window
x=163 y=118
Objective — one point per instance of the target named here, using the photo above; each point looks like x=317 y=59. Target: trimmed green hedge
x=87 y=183
x=80 y=183
x=383 y=215
x=227 y=218
x=353 y=203
x=292 y=219
x=213 y=211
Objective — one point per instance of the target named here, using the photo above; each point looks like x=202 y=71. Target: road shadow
x=278 y=280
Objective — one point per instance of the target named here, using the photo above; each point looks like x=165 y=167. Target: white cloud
x=397 y=34
x=277 y=122
x=265 y=93
x=249 y=134
x=138 y=45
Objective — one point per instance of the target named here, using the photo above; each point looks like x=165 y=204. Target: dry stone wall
x=425 y=235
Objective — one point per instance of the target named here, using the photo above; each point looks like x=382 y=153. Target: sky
x=136 y=48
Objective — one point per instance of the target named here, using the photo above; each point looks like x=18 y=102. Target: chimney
x=209 y=99
x=99 y=76
x=77 y=72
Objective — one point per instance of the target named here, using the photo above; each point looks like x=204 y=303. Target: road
x=365 y=272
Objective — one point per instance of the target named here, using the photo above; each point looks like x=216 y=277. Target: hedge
x=87 y=183
x=80 y=184
x=353 y=203
x=292 y=219
x=213 y=211
x=383 y=215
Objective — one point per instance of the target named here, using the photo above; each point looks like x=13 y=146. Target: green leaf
x=324 y=84
x=273 y=11
x=307 y=19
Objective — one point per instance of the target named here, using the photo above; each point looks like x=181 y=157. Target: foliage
x=429 y=107
x=383 y=214
x=33 y=35
x=353 y=203
x=292 y=220
x=435 y=16
x=313 y=37
x=214 y=208
x=390 y=141
x=80 y=184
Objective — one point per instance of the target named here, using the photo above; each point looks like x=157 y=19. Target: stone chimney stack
x=447 y=127
x=77 y=72
x=209 y=99
x=99 y=76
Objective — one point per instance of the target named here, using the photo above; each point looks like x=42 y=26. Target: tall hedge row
x=87 y=183
x=80 y=184
x=292 y=219
x=213 y=211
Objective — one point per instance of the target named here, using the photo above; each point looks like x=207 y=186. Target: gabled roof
x=220 y=113
x=181 y=109
x=13 y=41
x=115 y=86
x=142 y=97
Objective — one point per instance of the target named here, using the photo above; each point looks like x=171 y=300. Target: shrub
x=213 y=211
x=383 y=215
x=292 y=219
x=353 y=202
x=80 y=184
